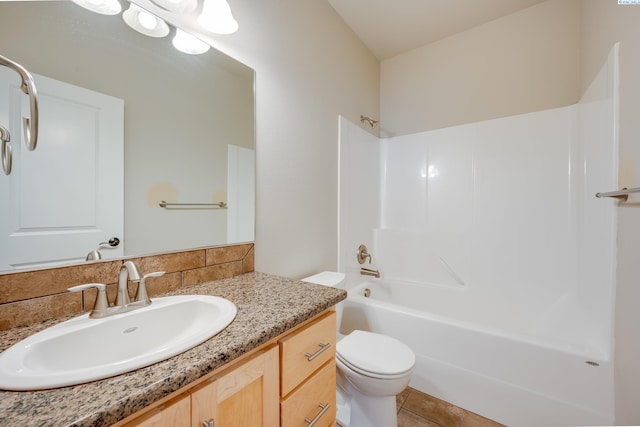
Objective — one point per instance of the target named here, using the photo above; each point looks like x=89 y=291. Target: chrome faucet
x=370 y=272
x=122 y=304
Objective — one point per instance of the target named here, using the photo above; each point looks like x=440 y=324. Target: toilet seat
x=345 y=365
x=375 y=355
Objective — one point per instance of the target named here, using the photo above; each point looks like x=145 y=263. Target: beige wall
x=527 y=61
x=604 y=22
x=310 y=68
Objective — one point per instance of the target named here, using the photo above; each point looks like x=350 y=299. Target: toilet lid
x=375 y=353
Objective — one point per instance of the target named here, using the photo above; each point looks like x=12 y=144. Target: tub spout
x=369 y=272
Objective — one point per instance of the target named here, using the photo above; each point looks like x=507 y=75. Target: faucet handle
x=141 y=294
x=102 y=303
x=363 y=254
x=154 y=274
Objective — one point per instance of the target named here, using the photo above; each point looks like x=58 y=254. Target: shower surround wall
x=502 y=214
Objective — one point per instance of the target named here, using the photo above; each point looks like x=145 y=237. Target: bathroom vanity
x=273 y=365
x=279 y=384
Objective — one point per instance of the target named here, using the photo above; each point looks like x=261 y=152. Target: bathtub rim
x=595 y=354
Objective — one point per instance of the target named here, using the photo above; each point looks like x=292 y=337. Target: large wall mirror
x=187 y=123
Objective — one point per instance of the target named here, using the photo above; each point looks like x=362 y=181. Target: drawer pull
x=209 y=423
x=323 y=347
x=325 y=408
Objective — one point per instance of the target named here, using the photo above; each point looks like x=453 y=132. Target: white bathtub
x=535 y=370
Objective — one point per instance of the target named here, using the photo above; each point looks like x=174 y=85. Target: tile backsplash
x=34 y=296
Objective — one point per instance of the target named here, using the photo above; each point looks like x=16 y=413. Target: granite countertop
x=267 y=307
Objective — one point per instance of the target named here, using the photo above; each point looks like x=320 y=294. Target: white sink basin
x=83 y=349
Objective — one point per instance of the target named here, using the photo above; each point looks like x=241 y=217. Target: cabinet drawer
x=306 y=350
x=315 y=399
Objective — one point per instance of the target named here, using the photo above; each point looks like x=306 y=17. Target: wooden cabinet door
x=244 y=396
x=176 y=413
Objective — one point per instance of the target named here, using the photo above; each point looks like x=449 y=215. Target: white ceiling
x=391 y=27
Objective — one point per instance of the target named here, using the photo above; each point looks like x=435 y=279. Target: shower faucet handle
x=363 y=254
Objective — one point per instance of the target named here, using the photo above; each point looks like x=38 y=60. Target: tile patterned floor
x=417 y=409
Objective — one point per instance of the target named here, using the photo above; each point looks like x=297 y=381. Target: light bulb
x=147 y=20
x=189 y=44
x=216 y=17
x=144 y=22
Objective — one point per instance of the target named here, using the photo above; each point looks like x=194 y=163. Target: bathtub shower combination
x=497 y=259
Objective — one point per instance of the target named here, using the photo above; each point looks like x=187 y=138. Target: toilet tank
x=332 y=279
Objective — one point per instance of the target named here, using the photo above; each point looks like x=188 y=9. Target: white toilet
x=371 y=370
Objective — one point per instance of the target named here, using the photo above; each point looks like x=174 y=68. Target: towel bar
x=620 y=194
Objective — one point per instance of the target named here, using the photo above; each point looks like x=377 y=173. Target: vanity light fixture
x=180 y=6
x=150 y=25
x=216 y=17
x=103 y=7
x=145 y=22
x=187 y=43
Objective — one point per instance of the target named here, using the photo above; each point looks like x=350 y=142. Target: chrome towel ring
x=28 y=86
x=7 y=151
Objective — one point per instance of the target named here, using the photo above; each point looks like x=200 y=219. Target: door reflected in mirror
x=188 y=128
